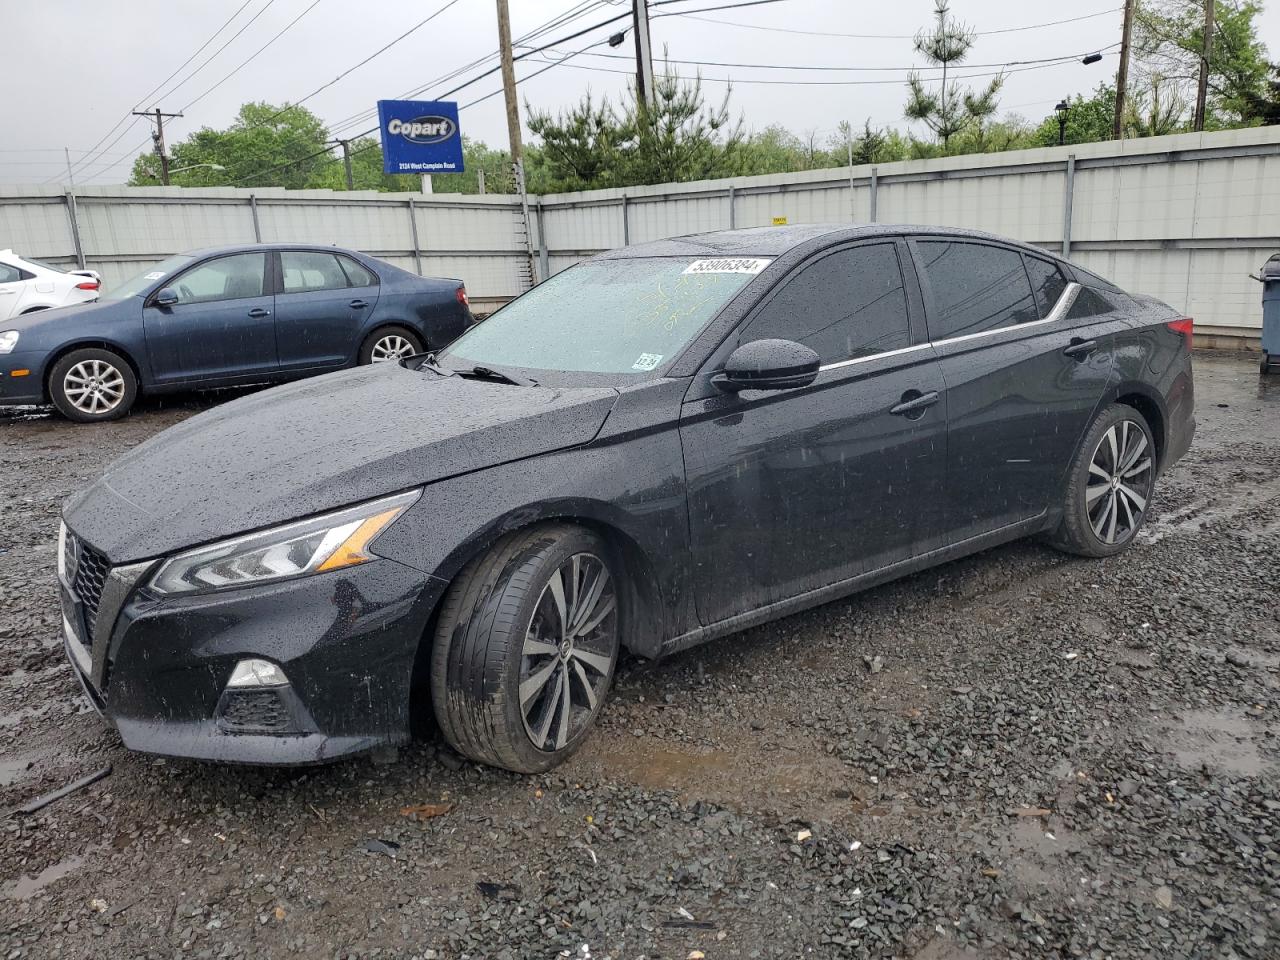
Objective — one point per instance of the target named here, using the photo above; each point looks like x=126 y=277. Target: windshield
x=136 y=284
x=606 y=316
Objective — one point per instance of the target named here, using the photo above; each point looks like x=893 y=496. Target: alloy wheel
x=94 y=386
x=391 y=347
x=568 y=652
x=1121 y=476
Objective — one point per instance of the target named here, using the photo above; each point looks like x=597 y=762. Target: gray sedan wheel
x=90 y=384
x=389 y=344
x=525 y=648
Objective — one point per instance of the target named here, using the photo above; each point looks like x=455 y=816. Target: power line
x=881 y=36
x=913 y=68
x=181 y=67
x=287 y=27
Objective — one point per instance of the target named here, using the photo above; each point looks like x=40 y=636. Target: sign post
x=420 y=137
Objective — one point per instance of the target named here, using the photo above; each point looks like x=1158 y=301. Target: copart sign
x=420 y=136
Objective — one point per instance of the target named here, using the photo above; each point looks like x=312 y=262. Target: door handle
x=257 y=312
x=1080 y=349
x=358 y=304
x=913 y=404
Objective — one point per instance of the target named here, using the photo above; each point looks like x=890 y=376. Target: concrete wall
x=1185 y=218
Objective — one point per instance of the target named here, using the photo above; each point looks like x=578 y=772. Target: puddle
x=1218 y=740
x=25 y=887
x=783 y=780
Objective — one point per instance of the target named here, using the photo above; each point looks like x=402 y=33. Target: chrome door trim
x=874 y=356
x=1059 y=310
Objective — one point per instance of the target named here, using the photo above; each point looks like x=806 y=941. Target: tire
x=390 y=343
x=500 y=633
x=1097 y=492
x=90 y=385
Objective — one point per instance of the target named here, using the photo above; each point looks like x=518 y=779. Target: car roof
x=774 y=241
x=253 y=247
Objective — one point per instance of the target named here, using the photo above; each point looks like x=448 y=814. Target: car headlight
x=8 y=340
x=328 y=542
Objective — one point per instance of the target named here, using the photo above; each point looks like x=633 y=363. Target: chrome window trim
x=873 y=356
x=1065 y=300
x=1059 y=310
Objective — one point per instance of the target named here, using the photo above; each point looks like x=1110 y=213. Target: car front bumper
x=16 y=386
x=157 y=668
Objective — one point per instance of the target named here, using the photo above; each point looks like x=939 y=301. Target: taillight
x=88 y=285
x=461 y=294
x=1186 y=327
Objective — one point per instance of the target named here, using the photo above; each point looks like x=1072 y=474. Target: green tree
x=366 y=171
x=679 y=137
x=1089 y=120
x=579 y=148
x=266 y=145
x=1168 y=44
x=948 y=110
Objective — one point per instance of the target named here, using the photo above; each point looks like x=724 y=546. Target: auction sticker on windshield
x=728 y=265
x=647 y=361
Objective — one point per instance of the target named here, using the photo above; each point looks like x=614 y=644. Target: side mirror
x=768 y=365
x=165 y=297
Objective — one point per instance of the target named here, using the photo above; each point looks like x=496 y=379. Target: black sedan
x=222 y=318
x=662 y=445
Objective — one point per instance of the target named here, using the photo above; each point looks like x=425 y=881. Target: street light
x=198 y=166
x=1063 y=109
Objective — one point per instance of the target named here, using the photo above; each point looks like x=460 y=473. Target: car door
x=12 y=287
x=792 y=490
x=1022 y=383
x=220 y=329
x=322 y=304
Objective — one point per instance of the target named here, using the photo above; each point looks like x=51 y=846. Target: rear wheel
x=525 y=648
x=389 y=344
x=1110 y=485
x=91 y=384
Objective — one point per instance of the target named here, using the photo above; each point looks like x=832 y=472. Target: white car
x=28 y=285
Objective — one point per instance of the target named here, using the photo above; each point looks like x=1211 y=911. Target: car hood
x=316 y=445
x=32 y=325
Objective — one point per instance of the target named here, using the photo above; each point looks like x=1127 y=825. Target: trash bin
x=1271 y=315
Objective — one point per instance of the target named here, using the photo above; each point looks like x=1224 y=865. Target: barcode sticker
x=728 y=265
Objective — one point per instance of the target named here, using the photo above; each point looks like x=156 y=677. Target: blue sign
x=420 y=136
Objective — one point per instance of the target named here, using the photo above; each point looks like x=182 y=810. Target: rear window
x=1048 y=283
x=975 y=288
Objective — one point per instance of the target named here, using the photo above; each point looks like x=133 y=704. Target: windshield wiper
x=488 y=373
x=428 y=360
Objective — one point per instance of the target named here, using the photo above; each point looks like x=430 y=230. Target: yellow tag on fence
x=779 y=221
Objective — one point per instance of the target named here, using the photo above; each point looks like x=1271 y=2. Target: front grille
x=255 y=710
x=89 y=577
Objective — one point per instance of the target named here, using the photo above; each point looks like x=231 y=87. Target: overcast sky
x=75 y=68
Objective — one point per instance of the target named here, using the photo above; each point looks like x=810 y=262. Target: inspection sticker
x=728 y=265
x=647 y=361
x=155 y=276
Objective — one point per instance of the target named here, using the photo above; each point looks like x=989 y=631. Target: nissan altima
x=222 y=318
x=662 y=445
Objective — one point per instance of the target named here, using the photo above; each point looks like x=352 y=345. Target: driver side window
x=236 y=277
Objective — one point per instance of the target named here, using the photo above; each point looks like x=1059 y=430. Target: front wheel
x=90 y=385
x=525 y=648
x=389 y=344
x=1110 y=485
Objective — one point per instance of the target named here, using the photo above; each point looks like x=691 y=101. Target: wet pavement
x=1056 y=758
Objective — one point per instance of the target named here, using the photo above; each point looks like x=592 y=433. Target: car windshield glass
x=136 y=284
x=606 y=316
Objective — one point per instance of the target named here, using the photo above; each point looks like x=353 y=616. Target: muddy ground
x=1016 y=755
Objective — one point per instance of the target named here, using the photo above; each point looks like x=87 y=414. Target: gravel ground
x=1016 y=755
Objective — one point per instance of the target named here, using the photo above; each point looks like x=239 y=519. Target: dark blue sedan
x=225 y=317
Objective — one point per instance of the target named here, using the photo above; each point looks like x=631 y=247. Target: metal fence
x=1185 y=218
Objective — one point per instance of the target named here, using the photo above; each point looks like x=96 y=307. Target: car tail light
x=1186 y=327
x=461 y=294
x=88 y=285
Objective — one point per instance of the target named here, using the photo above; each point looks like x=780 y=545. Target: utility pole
x=1122 y=72
x=1202 y=91
x=346 y=162
x=71 y=178
x=513 y=124
x=158 y=138
x=644 y=53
